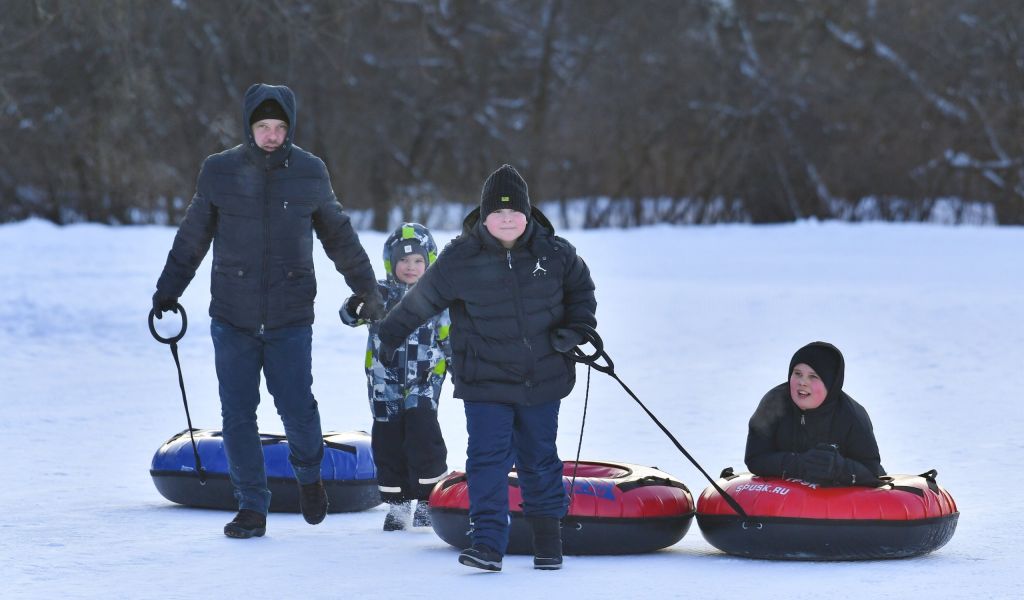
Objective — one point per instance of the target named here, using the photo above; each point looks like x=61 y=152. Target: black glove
x=163 y=303
x=564 y=340
x=821 y=464
x=386 y=354
x=372 y=309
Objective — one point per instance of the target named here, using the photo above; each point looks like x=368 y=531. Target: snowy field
x=700 y=321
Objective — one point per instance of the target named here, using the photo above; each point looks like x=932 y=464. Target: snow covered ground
x=700 y=321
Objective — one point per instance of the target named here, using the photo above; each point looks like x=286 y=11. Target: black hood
x=257 y=93
x=473 y=219
x=836 y=389
x=474 y=225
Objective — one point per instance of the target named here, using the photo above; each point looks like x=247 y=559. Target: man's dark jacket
x=260 y=210
x=779 y=432
x=503 y=305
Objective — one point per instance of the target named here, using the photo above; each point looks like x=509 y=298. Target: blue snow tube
x=348 y=472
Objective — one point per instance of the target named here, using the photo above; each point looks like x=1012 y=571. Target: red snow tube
x=789 y=519
x=615 y=508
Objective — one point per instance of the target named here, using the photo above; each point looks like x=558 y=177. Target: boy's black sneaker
x=481 y=557
x=313 y=501
x=421 y=518
x=398 y=516
x=246 y=524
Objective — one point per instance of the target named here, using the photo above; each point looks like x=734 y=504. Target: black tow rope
x=591 y=360
x=173 y=343
x=579 y=447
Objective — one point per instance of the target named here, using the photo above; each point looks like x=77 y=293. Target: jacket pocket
x=230 y=272
x=469 y=362
x=500 y=362
x=300 y=208
x=299 y=285
x=297 y=274
x=229 y=283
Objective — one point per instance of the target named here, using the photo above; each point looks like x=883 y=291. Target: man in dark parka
x=259 y=204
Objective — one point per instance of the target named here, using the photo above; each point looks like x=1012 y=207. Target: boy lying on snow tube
x=818 y=489
x=809 y=428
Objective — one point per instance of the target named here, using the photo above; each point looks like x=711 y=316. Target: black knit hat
x=504 y=188
x=268 y=109
x=824 y=359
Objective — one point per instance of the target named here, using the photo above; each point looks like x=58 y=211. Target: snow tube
x=790 y=519
x=615 y=508
x=348 y=472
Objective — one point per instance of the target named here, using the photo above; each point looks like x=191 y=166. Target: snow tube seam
x=588 y=518
x=270 y=480
x=831 y=522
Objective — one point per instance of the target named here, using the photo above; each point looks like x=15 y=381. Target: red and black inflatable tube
x=789 y=519
x=615 y=508
x=348 y=472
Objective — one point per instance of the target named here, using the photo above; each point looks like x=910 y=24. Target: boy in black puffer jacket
x=514 y=290
x=811 y=429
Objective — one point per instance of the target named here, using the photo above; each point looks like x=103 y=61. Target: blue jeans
x=501 y=435
x=285 y=357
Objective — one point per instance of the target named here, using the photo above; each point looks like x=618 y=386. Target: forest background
x=647 y=111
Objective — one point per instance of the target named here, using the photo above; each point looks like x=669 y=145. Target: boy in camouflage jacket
x=408 y=448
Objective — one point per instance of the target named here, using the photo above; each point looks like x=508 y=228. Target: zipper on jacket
x=520 y=317
x=264 y=279
x=802 y=421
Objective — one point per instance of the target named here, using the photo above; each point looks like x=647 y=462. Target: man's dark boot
x=398 y=516
x=547 y=543
x=246 y=524
x=481 y=557
x=313 y=501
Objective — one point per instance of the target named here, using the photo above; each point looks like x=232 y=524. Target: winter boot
x=481 y=557
x=421 y=518
x=313 y=501
x=246 y=524
x=547 y=543
x=398 y=516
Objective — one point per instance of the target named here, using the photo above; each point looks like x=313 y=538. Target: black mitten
x=820 y=464
x=373 y=308
x=163 y=303
x=564 y=340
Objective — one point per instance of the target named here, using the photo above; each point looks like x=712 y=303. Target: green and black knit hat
x=406 y=239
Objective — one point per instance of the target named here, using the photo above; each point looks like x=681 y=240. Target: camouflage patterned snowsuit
x=408 y=448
